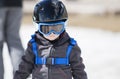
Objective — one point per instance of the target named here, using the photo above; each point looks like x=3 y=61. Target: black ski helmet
x=49 y=11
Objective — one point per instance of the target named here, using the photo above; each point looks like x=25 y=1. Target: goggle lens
x=56 y=28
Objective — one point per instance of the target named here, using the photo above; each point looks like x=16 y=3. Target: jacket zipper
x=49 y=67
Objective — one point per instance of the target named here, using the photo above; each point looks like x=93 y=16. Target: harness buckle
x=50 y=61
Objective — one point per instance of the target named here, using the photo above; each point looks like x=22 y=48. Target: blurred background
x=101 y=14
x=95 y=24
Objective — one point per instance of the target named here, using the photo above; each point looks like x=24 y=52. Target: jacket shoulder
x=73 y=41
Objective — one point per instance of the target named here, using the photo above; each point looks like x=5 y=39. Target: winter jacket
x=10 y=3
x=51 y=49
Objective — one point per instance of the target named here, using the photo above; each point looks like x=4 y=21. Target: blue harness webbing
x=54 y=61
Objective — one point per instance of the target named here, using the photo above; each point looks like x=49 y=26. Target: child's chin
x=52 y=39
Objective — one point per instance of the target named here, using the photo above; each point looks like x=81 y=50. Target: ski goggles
x=48 y=28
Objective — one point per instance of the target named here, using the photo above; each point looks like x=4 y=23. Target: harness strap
x=72 y=43
x=34 y=48
x=52 y=61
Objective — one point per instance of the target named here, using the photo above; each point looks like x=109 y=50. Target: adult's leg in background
x=2 y=25
x=12 y=36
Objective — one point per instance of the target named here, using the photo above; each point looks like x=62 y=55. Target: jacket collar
x=64 y=37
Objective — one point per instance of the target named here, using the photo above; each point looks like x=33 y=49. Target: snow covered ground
x=100 y=51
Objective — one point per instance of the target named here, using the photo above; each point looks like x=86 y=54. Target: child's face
x=51 y=37
x=51 y=31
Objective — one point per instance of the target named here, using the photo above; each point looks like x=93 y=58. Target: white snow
x=100 y=51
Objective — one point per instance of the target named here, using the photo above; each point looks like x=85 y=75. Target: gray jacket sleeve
x=76 y=63
x=26 y=66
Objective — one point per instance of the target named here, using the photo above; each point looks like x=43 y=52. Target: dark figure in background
x=10 y=22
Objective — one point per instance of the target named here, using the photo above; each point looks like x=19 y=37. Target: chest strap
x=52 y=61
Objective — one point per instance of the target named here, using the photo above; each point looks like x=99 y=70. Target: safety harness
x=52 y=61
